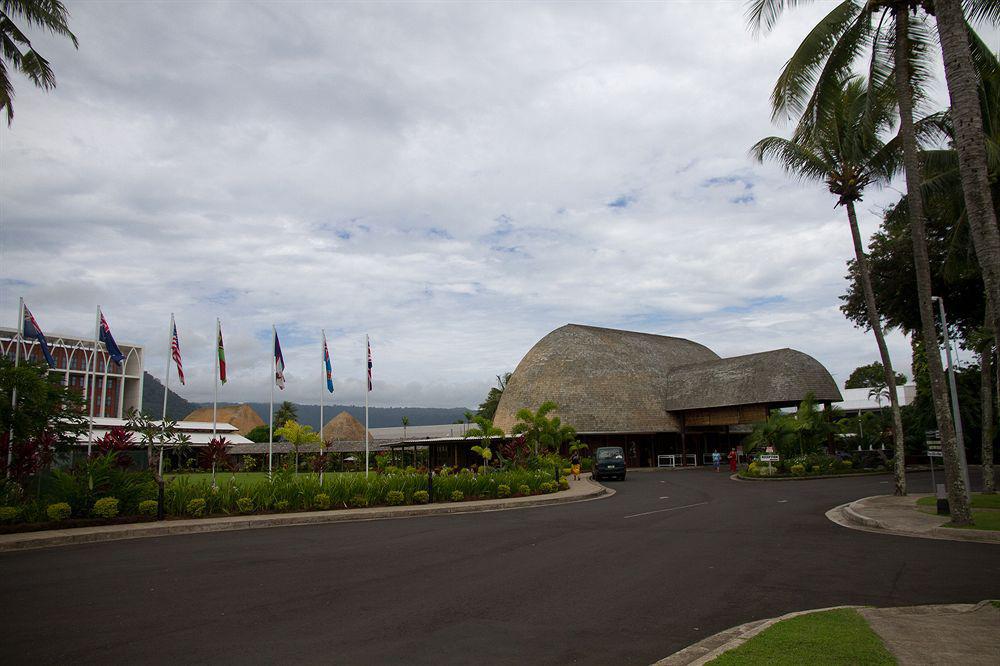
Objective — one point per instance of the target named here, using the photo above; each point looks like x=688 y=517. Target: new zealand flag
x=109 y=342
x=30 y=329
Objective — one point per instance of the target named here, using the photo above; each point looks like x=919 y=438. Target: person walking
x=716 y=459
x=732 y=460
x=575 y=463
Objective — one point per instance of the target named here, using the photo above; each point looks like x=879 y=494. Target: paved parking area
x=671 y=558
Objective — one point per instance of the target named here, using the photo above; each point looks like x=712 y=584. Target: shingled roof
x=783 y=376
x=603 y=379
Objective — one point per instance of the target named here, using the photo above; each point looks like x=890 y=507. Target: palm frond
x=982 y=11
x=793 y=157
x=762 y=15
x=51 y=15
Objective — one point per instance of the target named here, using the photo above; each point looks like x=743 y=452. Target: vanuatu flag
x=222 y=351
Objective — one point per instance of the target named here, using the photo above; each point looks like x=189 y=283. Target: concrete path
x=899 y=515
x=945 y=634
x=583 y=489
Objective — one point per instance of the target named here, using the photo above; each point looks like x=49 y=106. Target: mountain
x=152 y=400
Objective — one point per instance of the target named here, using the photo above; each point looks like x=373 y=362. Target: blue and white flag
x=329 y=367
x=109 y=342
x=279 y=364
x=31 y=329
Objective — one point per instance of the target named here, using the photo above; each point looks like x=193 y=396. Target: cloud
x=453 y=180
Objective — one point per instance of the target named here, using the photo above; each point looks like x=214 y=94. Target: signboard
x=934 y=454
x=769 y=449
x=770 y=457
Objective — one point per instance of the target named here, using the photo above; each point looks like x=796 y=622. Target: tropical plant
x=485 y=432
x=286 y=412
x=866 y=376
x=106 y=507
x=898 y=45
x=213 y=454
x=542 y=433
x=260 y=434
x=19 y=54
x=116 y=442
x=488 y=408
x=297 y=434
x=406 y=422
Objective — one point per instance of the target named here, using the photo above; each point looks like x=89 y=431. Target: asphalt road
x=672 y=558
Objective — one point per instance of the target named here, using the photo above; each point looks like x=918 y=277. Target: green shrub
x=196 y=507
x=321 y=501
x=566 y=471
x=815 y=469
x=564 y=484
x=395 y=498
x=106 y=507
x=249 y=464
x=503 y=490
x=148 y=507
x=358 y=502
x=245 y=505
x=847 y=464
x=798 y=470
x=523 y=489
x=421 y=497
x=9 y=514
x=281 y=505
x=457 y=496
x=58 y=511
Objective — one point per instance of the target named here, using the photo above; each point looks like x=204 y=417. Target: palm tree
x=485 y=431
x=898 y=47
x=50 y=15
x=540 y=432
x=842 y=147
x=297 y=434
x=406 y=422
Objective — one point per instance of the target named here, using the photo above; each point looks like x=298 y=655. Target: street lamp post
x=954 y=398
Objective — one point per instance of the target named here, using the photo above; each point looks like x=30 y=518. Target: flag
x=31 y=329
x=222 y=354
x=368 y=342
x=175 y=353
x=329 y=367
x=109 y=342
x=279 y=364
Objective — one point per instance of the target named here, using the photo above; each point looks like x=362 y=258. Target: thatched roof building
x=242 y=416
x=345 y=428
x=652 y=393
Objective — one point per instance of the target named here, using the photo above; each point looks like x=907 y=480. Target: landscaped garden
x=985 y=510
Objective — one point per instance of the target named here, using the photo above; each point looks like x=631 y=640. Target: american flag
x=368 y=342
x=279 y=364
x=175 y=353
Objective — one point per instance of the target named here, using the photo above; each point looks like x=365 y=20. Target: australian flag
x=31 y=329
x=109 y=342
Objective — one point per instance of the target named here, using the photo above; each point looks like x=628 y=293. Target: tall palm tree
x=17 y=51
x=842 y=147
x=898 y=48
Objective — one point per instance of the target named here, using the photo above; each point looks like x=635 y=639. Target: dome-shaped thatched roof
x=242 y=416
x=604 y=380
x=779 y=377
x=344 y=428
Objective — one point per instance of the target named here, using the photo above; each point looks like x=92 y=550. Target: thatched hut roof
x=242 y=416
x=604 y=380
x=345 y=428
x=779 y=377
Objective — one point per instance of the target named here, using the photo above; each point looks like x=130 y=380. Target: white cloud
x=456 y=180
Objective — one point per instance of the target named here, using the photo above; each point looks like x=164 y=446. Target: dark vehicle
x=609 y=462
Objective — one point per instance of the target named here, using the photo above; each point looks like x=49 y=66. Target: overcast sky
x=455 y=179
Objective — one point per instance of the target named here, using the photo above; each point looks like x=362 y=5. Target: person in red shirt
x=732 y=460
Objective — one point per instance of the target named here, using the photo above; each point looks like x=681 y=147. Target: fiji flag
x=31 y=329
x=329 y=367
x=279 y=364
x=109 y=342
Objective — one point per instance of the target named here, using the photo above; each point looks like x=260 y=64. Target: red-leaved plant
x=117 y=441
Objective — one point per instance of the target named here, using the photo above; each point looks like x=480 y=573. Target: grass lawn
x=985 y=520
x=831 y=637
x=979 y=501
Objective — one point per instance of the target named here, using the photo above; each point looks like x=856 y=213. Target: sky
x=453 y=179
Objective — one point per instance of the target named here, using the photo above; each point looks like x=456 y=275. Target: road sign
x=934 y=454
x=770 y=457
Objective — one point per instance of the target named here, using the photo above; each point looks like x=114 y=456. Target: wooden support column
x=827 y=407
x=683 y=442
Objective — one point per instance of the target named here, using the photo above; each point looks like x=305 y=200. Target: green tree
x=286 y=412
x=542 y=433
x=873 y=374
x=259 y=434
x=898 y=45
x=488 y=408
x=297 y=434
x=18 y=52
x=841 y=146
x=484 y=431
x=406 y=422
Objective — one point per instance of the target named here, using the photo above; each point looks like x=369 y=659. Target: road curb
x=850 y=516
x=737 y=477
x=83 y=535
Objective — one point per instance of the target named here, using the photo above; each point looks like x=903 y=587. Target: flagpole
x=368 y=351
x=13 y=394
x=322 y=391
x=270 y=413
x=93 y=382
x=166 y=385
x=215 y=397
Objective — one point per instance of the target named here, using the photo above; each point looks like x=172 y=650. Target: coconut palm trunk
x=970 y=144
x=864 y=272
x=985 y=350
x=957 y=498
